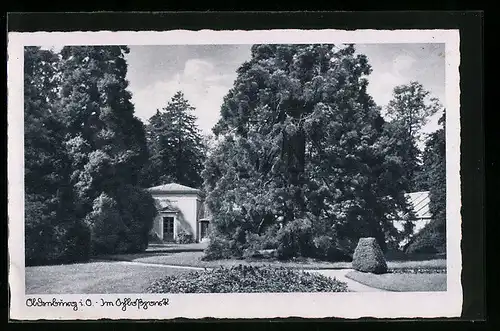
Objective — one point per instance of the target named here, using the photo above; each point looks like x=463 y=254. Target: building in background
x=419 y=203
x=180 y=209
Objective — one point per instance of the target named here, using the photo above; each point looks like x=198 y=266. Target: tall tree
x=433 y=237
x=107 y=145
x=302 y=150
x=409 y=111
x=435 y=167
x=50 y=226
x=176 y=147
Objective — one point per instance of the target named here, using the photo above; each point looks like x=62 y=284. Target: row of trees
x=305 y=162
x=84 y=150
x=87 y=156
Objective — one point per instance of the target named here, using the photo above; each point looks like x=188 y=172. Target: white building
x=179 y=208
x=419 y=203
x=182 y=208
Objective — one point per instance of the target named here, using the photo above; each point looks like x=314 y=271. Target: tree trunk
x=295 y=161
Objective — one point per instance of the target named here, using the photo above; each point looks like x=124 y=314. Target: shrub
x=77 y=241
x=184 y=237
x=260 y=254
x=106 y=225
x=430 y=240
x=138 y=212
x=250 y=253
x=395 y=254
x=153 y=237
x=218 y=248
x=264 y=245
x=295 y=239
x=247 y=279
x=267 y=240
x=42 y=240
x=368 y=257
x=328 y=248
x=52 y=238
x=122 y=223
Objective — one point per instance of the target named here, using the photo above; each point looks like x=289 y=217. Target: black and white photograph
x=161 y=173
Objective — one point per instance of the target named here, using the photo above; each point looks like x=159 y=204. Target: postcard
x=234 y=174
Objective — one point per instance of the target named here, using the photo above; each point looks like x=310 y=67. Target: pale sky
x=205 y=73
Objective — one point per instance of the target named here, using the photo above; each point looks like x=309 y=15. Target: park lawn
x=93 y=278
x=113 y=277
x=194 y=259
x=430 y=264
x=428 y=282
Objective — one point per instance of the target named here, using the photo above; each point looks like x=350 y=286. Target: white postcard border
x=306 y=305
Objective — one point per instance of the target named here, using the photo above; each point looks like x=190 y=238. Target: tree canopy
x=176 y=147
x=303 y=153
x=432 y=238
x=301 y=161
x=80 y=118
x=49 y=208
x=408 y=111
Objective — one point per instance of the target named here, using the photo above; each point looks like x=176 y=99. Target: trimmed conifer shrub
x=368 y=257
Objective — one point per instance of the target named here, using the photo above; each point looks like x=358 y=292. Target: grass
x=111 y=276
x=392 y=255
x=194 y=259
x=93 y=278
x=401 y=282
x=430 y=264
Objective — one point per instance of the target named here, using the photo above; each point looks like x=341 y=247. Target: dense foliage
x=417 y=271
x=302 y=162
x=368 y=257
x=432 y=239
x=184 y=237
x=302 y=156
x=49 y=209
x=108 y=146
x=408 y=111
x=247 y=279
x=79 y=115
x=176 y=147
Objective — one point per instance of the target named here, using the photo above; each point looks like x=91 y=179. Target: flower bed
x=417 y=271
x=247 y=279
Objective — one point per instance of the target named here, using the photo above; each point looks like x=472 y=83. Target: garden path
x=339 y=274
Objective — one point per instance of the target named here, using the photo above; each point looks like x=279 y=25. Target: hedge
x=430 y=240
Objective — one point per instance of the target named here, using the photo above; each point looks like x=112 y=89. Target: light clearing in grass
x=401 y=282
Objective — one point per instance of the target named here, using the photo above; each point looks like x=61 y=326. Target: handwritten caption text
x=122 y=303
